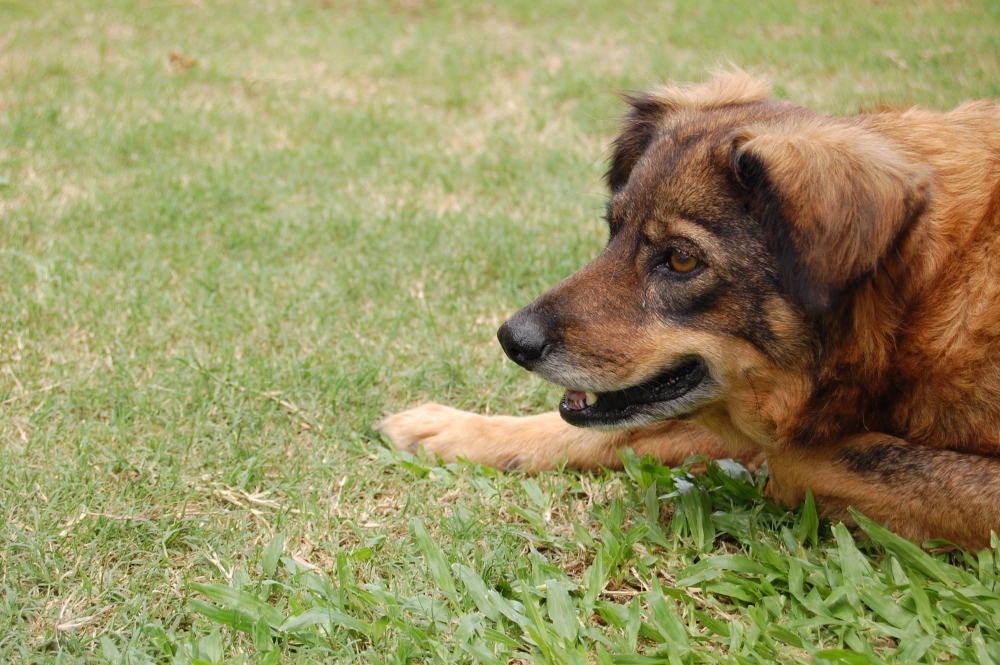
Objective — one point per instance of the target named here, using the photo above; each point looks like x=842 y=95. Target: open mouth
x=587 y=409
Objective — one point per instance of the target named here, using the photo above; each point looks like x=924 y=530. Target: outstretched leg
x=922 y=492
x=539 y=443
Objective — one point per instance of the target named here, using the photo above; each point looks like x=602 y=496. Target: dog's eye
x=682 y=262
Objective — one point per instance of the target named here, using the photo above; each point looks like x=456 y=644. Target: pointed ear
x=833 y=198
x=648 y=110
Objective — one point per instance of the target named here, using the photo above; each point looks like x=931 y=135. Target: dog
x=819 y=292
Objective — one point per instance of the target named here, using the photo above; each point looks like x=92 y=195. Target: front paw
x=439 y=430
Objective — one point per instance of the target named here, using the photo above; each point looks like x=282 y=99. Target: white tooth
x=591 y=399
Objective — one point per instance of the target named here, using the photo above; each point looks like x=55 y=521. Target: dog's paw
x=439 y=430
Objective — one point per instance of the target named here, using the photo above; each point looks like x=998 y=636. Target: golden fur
x=843 y=322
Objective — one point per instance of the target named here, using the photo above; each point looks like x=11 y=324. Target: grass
x=233 y=235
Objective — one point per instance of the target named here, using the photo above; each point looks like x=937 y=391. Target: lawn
x=233 y=235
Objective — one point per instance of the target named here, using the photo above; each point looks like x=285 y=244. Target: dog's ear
x=648 y=111
x=833 y=198
x=639 y=127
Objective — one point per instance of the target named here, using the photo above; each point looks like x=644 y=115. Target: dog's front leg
x=921 y=492
x=543 y=442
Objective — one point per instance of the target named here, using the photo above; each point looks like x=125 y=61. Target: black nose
x=524 y=338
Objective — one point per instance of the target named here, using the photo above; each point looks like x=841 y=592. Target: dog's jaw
x=672 y=394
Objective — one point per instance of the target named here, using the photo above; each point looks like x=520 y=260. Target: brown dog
x=822 y=290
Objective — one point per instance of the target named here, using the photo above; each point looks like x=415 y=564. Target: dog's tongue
x=577 y=400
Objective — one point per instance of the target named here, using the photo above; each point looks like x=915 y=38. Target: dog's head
x=737 y=223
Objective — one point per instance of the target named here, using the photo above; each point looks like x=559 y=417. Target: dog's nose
x=524 y=338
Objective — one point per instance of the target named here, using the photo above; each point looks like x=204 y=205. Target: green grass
x=215 y=278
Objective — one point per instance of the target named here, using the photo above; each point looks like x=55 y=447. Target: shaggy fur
x=843 y=320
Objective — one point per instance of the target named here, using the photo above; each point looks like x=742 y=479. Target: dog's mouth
x=623 y=407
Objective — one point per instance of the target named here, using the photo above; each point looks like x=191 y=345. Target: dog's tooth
x=591 y=398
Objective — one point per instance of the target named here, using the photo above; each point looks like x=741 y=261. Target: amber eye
x=682 y=261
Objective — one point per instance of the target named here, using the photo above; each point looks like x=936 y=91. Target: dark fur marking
x=890 y=461
x=752 y=173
